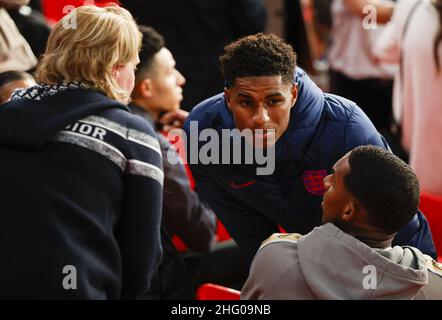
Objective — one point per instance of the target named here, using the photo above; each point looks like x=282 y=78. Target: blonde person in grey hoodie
x=370 y=195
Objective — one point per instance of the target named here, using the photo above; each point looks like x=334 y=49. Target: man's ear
x=144 y=88
x=294 y=91
x=228 y=96
x=116 y=71
x=350 y=212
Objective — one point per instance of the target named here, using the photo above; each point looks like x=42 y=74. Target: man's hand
x=173 y=119
x=13 y=4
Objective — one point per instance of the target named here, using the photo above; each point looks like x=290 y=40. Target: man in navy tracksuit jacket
x=320 y=129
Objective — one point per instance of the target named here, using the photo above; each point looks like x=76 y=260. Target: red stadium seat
x=221 y=232
x=54 y=9
x=210 y=291
x=179 y=244
x=431 y=206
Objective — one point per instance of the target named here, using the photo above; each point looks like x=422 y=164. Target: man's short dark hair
x=256 y=56
x=152 y=43
x=384 y=185
x=10 y=76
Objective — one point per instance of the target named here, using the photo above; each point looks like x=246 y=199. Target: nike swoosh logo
x=240 y=186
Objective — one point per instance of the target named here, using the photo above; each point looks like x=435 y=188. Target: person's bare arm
x=13 y=4
x=384 y=9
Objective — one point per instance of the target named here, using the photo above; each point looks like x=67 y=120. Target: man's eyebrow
x=274 y=94
x=333 y=170
x=244 y=95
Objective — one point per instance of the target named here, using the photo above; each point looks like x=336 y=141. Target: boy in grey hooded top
x=370 y=195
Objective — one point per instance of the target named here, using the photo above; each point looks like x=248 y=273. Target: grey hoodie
x=330 y=264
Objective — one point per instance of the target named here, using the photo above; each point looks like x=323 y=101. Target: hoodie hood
x=336 y=265
x=35 y=115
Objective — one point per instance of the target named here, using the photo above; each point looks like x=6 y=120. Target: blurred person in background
x=12 y=80
x=413 y=41
x=15 y=52
x=32 y=25
x=354 y=72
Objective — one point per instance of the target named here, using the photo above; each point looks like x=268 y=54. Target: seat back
x=210 y=291
x=55 y=10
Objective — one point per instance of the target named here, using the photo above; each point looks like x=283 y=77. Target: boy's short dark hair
x=152 y=43
x=256 y=56
x=384 y=185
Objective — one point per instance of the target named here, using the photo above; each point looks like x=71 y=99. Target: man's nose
x=180 y=78
x=261 y=116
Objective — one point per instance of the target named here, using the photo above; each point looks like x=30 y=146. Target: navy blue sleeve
x=417 y=234
x=246 y=226
x=138 y=231
x=360 y=131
